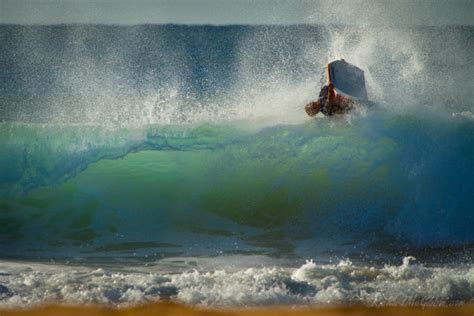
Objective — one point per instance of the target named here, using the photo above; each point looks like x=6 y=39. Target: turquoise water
x=88 y=191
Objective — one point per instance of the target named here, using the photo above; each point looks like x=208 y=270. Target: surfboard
x=348 y=79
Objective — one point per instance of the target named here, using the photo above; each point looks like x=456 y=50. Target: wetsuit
x=331 y=103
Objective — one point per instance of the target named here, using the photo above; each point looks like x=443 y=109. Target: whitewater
x=157 y=162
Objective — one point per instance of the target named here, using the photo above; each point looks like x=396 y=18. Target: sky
x=398 y=12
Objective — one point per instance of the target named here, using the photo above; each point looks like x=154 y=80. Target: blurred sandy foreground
x=175 y=310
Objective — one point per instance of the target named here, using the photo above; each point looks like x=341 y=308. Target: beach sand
x=175 y=310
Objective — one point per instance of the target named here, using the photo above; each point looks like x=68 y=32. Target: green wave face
x=196 y=190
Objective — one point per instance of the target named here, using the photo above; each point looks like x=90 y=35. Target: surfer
x=329 y=102
x=346 y=86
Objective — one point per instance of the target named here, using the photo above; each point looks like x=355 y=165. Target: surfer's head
x=313 y=108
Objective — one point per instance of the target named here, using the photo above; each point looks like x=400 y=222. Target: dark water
x=179 y=161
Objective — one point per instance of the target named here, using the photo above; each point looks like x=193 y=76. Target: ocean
x=171 y=162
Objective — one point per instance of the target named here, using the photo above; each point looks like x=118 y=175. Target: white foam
x=311 y=284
